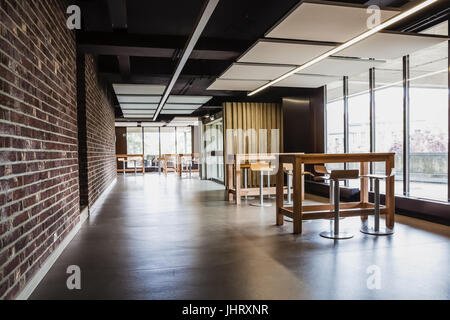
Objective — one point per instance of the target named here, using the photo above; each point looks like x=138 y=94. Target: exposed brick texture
x=100 y=133
x=39 y=178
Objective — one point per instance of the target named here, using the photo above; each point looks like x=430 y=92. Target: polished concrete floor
x=158 y=237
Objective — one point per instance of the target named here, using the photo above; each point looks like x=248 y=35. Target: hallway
x=157 y=237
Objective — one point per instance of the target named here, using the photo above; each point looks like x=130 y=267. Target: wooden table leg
x=280 y=194
x=390 y=194
x=364 y=187
x=298 y=202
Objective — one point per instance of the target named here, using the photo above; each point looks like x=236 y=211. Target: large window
x=429 y=123
x=168 y=140
x=428 y=118
x=184 y=140
x=151 y=143
x=359 y=113
x=134 y=141
x=389 y=117
x=335 y=117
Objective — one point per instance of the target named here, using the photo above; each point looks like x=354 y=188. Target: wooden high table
x=125 y=157
x=300 y=212
x=241 y=161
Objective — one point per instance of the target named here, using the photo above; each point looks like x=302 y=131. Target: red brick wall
x=101 y=151
x=39 y=178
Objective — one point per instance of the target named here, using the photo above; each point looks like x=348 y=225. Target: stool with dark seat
x=261 y=167
x=336 y=176
x=376 y=230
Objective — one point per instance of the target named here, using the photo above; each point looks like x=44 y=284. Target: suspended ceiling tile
x=253 y=71
x=388 y=45
x=334 y=66
x=236 y=85
x=325 y=22
x=189 y=99
x=305 y=81
x=169 y=106
x=142 y=106
x=138 y=99
x=284 y=52
x=150 y=89
x=138 y=111
x=176 y=111
x=138 y=116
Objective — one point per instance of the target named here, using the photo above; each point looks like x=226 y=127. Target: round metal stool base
x=340 y=235
x=380 y=232
x=288 y=203
x=257 y=204
x=270 y=197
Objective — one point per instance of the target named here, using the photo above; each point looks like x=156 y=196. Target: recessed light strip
x=204 y=18
x=347 y=44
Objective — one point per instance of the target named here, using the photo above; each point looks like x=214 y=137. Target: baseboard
x=26 y=292
x=96 y=205
x=40 y=274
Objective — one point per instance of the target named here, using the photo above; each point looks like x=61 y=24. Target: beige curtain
x=256 y=116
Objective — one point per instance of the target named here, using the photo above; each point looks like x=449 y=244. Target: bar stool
x=336 y=176
x=376 y=230
x=261 y=167
x=246 y=166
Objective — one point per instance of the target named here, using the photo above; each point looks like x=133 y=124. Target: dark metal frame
x=406 y=125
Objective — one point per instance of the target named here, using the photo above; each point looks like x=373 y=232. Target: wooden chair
x=170 y=163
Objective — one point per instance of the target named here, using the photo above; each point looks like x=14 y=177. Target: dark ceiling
x=140 y=41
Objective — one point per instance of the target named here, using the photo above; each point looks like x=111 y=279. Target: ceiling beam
x=124 y=66
x=207 y=12
x=109 y=43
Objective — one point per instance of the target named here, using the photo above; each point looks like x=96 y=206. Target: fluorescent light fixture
x=204 y=18
x=349 y=43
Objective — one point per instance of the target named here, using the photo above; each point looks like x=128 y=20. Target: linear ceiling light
x=204 y=18
x=347 y=44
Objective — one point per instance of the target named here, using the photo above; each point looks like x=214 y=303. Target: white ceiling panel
x=138 y=111
x=139 y=99
x=142 y=106
x=238 y=85
x=189 y=99
x=342 y=66
x=164 y=111
x=283 y=52
x=150 y=89
x=171 y=106
x=251 y=71
x=325 y=22
x=305 y=81
x=138 y=116
x=385 y=46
